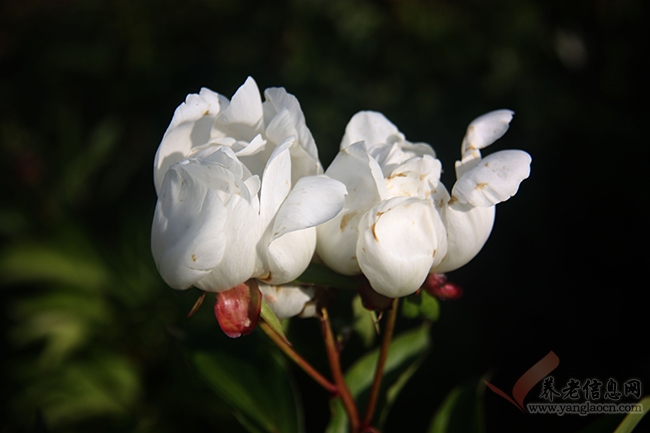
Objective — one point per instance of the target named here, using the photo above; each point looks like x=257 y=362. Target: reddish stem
x=381 y=362
x=295 y=357
x=337 y=374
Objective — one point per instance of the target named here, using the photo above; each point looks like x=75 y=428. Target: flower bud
x=238 y=309
x=437 y=286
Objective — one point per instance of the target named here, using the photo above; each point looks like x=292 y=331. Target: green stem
x=295 y=357
x=337 y=374
x=381 y=362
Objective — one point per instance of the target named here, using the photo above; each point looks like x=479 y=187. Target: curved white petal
x=287 y=251
x=337 y=238
x=286 y=301
x=313 y=201
x=371 y=127
x=486 y=129
x=337 y=242
x=241 y=234
x=468 y=228
x=288 y=257
x=189 y=128
x=276 y=181
x=255 y=146
x=360 y=173
x=284 y=117
x=494 y=179
x=397 y=244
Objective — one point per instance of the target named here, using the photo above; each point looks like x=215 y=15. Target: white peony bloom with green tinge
x=240 y=191
x=399 y=223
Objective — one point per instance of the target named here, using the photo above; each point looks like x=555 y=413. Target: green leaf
x=65 y=321
x=364 y=322
x=406 y=353
x=269 y=317
x=104 y=384
x=632 y=419
x=69 y=259
x=323 y=276
x=618 y=423
x=461 y=411
x=256 y=386
x=339 y=419
x=421 y=305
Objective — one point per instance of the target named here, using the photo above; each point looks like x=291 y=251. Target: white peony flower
x=399 y=223
x=240 y=191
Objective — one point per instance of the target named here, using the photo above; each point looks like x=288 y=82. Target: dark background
x=87 y=88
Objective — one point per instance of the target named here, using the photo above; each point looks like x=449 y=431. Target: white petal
x=416 y=177
x=189 y=128
x=288 y=257
x=468 y=228
x=220 y=171
x=186 y=236
x=303 y=161
x=243 y=117
x=286 y=301
x=360 y=173
x=397 y=244
x=277 y=101
x=337 y=238
x=495 y=179
x=390 y=156
x=255 y=146
x=371 y=127
x=276 y=181
x=313 y=201
x=486 y=129
x=468 y=162
x=241 y=234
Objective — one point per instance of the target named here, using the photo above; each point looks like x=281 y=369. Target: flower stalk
x=337 y=374
x=381 y=362
x=299 y=360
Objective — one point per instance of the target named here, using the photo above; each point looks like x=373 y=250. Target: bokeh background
x=93 y=340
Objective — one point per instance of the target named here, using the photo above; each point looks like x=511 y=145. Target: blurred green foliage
x=95 y=341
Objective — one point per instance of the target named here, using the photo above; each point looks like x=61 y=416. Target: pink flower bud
x=437 y=286
x=238 y=309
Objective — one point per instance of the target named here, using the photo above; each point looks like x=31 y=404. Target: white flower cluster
x=242 y=194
